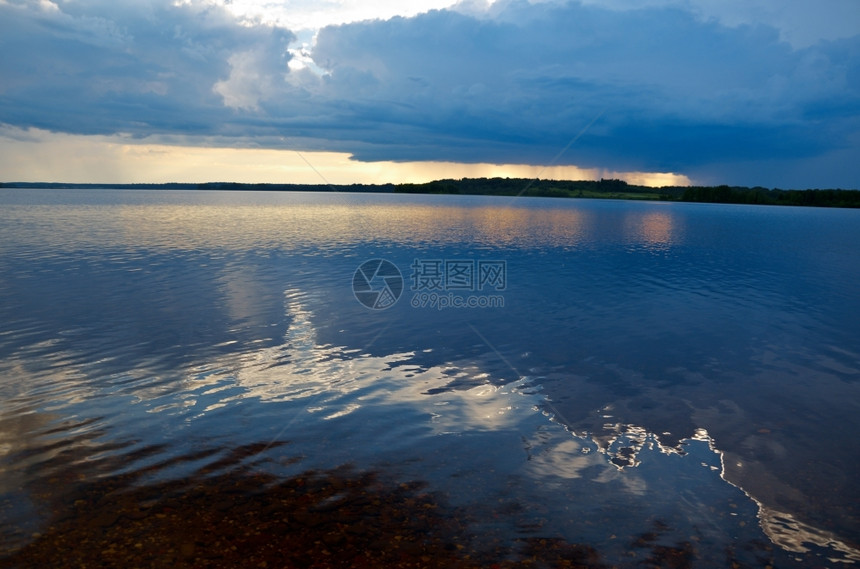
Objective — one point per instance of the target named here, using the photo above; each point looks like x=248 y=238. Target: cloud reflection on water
x=325 y=384
x=331 y=384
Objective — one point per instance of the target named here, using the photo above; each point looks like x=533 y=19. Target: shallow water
x=686 y=367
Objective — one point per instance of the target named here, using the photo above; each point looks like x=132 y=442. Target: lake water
x=644 y=378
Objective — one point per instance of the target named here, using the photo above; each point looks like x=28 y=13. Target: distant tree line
x=524 y=187
x=759 y=195
x=236 y=186
x=603 y=188
x=612 y=188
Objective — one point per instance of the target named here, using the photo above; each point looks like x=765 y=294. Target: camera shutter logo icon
x=377 y=284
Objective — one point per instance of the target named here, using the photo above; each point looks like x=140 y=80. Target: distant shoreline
x=607 y=189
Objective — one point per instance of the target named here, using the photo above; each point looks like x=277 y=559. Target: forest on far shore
x=611 y=189
x=619 y=189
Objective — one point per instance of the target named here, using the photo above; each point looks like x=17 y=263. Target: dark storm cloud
x=675 y=92
x=106 y=67
x=517 y=82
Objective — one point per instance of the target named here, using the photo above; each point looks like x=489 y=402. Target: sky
x=656 y=92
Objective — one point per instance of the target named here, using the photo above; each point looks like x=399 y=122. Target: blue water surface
x=689 y=371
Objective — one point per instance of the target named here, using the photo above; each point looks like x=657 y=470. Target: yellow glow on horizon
x=40 y=156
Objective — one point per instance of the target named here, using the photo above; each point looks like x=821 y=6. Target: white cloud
x=251 y=80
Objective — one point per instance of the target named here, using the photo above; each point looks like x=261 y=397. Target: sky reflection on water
x=647 y=353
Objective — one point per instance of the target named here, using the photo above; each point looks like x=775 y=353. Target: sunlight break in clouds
x=39 y=156
x=298 y=15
